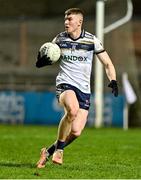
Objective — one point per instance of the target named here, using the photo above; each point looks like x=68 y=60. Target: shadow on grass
x=19 y=165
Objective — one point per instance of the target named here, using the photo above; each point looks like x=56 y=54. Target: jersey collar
x=81 y=35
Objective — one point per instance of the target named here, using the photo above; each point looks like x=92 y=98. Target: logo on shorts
x=87 y=102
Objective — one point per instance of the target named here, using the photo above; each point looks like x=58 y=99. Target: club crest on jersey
x=73 y=47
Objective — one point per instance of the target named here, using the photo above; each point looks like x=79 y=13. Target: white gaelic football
x=51 y=50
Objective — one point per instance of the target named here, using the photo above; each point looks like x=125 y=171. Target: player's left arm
x=109 y=67
x=110 y=71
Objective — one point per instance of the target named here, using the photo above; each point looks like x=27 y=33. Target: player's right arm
x=42 y=61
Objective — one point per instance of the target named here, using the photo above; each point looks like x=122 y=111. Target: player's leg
x=69 y=100
x=78 y=122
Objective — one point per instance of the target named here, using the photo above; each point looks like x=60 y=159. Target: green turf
x=98 y=153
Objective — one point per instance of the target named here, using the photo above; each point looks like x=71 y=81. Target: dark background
x=26 y=25
x=43 y=8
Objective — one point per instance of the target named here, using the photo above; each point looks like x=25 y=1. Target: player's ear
x=80 y=22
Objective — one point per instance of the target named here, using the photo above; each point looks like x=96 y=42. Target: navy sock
x=51 y=149
x=60 y=145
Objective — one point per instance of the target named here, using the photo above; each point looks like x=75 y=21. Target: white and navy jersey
x=76 y=59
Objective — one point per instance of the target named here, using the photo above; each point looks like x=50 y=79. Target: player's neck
x=75 y=34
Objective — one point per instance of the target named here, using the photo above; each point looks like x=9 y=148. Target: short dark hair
x=74 y=11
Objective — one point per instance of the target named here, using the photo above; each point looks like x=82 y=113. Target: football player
x=73 y=81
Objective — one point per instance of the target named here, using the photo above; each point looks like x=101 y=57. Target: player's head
x=73 y=19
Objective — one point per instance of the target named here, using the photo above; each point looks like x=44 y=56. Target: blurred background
x=27 y=94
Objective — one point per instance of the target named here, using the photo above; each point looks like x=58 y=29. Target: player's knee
x=72 y=113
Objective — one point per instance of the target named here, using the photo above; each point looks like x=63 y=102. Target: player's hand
x=114 y=86
x=42 y=61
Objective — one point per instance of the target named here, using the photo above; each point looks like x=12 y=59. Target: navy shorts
x=83 y=98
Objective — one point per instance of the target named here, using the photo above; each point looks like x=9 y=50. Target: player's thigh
x=80 y=120
x=69 y=100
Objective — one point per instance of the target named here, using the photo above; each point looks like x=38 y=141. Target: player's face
x=73 y=23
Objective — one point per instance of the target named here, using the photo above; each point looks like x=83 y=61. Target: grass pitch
x=97 y=154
